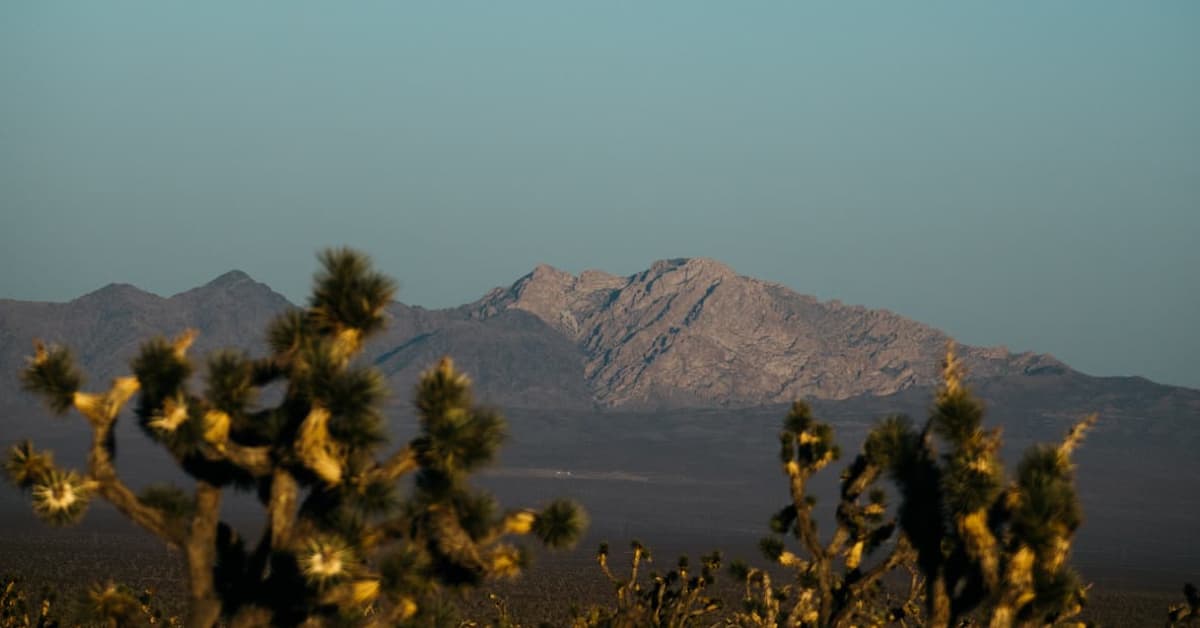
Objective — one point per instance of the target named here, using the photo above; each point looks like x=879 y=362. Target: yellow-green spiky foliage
x=983 y=540
x=835 y=583
x=673 y=600
x=340 y=542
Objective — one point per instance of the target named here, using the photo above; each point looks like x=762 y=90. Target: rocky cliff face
x=693 y=331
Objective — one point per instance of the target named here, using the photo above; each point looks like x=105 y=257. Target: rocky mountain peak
x=691 y=330
x=229 y=279
x=591 y=280
x=691 y=267
x=116 y=295
x=236 y=285
x=544 y=280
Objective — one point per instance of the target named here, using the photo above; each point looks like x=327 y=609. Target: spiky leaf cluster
x=26 y=466
x=52 y=374
x=60 y=497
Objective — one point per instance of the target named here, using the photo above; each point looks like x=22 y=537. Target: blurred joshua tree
x=980 y=543
x=1188 y=613
x=984 y=541
x=674 y=600
x=339 y=542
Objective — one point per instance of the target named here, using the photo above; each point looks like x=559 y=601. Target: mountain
x=693 y=332
x=683 y=333
x=104 y=328
x=515 y=359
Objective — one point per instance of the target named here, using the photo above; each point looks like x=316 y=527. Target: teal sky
x=1017 y=173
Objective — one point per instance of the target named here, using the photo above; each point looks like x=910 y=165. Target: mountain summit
x=694 y=331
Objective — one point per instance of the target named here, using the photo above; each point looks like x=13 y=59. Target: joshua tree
x=338 y=542
x=971 y=540
x=677 y=599
x=832 y=585
x=984 y=542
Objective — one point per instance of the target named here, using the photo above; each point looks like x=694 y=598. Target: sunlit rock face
x=690 y=331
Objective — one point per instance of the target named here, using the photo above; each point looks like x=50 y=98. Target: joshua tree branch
x=806 y=533
x=806 y=528
x=850 y=494
x=901 y=552
x=258 y=560
x=398 y=464
x=254 y=460
x=110 y=487
x=281 y=510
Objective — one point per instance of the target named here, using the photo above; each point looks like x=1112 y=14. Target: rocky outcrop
x=693 y=331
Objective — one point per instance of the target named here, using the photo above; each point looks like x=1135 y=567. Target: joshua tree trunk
x=204 y=608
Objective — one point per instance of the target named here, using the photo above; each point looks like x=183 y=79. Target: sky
x=1023 y=174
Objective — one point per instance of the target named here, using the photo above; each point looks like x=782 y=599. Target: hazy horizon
x=1019 y=174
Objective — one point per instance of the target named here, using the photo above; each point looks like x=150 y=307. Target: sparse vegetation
x=678 y=598
x=19 y=607
x=106 y=604
x=340 y=543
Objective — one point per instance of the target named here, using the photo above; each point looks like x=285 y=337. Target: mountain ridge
x=765 y=343
x=684 y=332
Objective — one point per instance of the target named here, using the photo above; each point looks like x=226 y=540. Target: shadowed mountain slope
x=105 y=328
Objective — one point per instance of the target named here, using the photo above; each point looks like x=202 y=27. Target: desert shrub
x=680 y=597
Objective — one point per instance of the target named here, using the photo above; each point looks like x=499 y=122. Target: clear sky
x=1017 y=173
